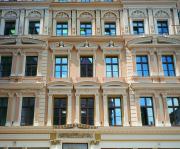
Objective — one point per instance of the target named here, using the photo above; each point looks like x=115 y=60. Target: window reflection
x=142 y=65
x=173 y=104
x=147 y=114
x=34 y=27
x=61 y=67
x=112 y=67
x=115 y=111
x=168 y=65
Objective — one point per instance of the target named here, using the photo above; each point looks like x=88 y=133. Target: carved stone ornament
x=161 y=14
x=62 y=15
x=10 y=14
x=86 y=15
x=137 y=14
x=109 y=15
x=34 y=14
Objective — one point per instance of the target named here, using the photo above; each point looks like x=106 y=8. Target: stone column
x=10 y=110
x=50 y=105
x=118 y=26
x=159 y=62
x=158 y=110
x=125 y=111
x=39 y=64
x=133 y=107
x=18 y=107
x=134 y=62
x=126 y=21
x=121 y=22
x=152 y=66
x=97 y=117
x=105 y=106
x=138 y=106
x=77 y=113
x=151 y=21
x=177 y=63
x=2 y=26
x=21 y=22
x=176 y=20
x=74 y=23
x=46 y=22
x=69 y=110
x=36 y=110
x=166 y=113
x=14 y=64
x=98 y=23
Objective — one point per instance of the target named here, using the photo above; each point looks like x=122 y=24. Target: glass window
x=86 y=29
x=168 y=65
x=27 y=112
x=86 y=66
x=110 y=29
x=60 y=105
x=112 y=67
x=3 y=110
x=85 y=1
x=173 y=104
x=147 y=113
x=87 y=111
x=31 y=65
x=5 y=66
x=142 y=66
x=74 y=146
x=10 y=28
x=61 y=67
x=138 y=27
x=62 y=29
x=162 y=27
x=34 y=27
x=63 y=1
x=115 y=111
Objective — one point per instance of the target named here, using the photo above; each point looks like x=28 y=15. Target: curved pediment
x=153 y=40
x=60 y=84
x=61 y=45
x=20 y=40
x=87 y=84
x=86 y=44
x=114 y=84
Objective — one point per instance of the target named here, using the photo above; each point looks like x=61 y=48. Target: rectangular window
x=27 y=112
x=115 y=111
x=85 y=1
x=142 y=66
x=110 y=28
x=60 y=108
x=5 y=66
x=162 y=27
x=86 y=66
x=173 y=104
x=147 y=113
x=138 y=27
x=3 y=110
x=86 y=29
x=74 y=146
x=63 y=1
x=31 y=65
x=10 y=27
x=61 y=67
x=34 y=27
x=168 y=65
x=62 y=29
x=112 y=67
x=87 y=111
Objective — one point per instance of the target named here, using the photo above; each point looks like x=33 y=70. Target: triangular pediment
x=153 y=40
x=20 y=41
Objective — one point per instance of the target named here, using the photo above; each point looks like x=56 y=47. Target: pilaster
x=49 y=118
x=97 y=117
x=125 y=111
x=69 y=110
x=77 y=113
x=18 y=107
x=105 y=107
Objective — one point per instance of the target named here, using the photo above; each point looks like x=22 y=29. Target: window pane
x=9 y=28
x=3 y=110
x=31 y=65
x=34 y=27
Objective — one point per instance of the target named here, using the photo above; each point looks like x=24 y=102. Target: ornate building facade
x=89 y=74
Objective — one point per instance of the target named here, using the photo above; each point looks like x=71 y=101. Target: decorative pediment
x=153 y=40
x=87 y=84
x=114 y=84
x=161 y=14
x=20 y=40
x=86 y=15
x=34 y=14
x=111 y=44
x=86 y=45
x=60 y=84
x=61 y=45
x=62 y=15
x=10 y=14
x=138 y=14
x=109 y=15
